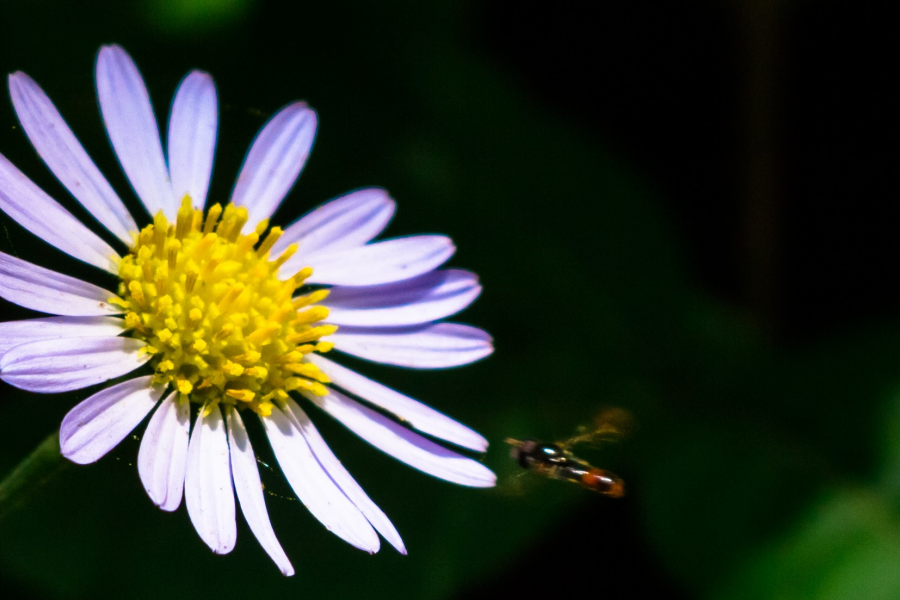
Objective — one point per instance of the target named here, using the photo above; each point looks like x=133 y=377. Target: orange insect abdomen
x=604 y=482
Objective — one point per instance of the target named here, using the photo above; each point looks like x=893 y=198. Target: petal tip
x=480 y=477
x=104 y=53
x=223 y=548
x=397 y=543
x=198 y=74
x=480 y=444
x=112 y=52
x=488 y=482
x=297 y=108
x=168 y=506
x=74 y=456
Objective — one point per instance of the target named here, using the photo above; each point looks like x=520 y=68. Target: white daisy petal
x=54 y=366
x=422 y=299
x=207 y=485
x=342 y=478
x=417 y=415
x=66 y=157
x=250 y=491
x=40 y=214
x=192 y=137
x=373 y=264
x=274 y=161
x=14 y=333
x=403 y=444
x=345 y=222
x=163 y=455
x=432 y=346
x=47 y=291
x=132 y=129
x=314 y=487
x=98 y=424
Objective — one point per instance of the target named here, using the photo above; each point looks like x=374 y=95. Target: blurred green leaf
x=845 y=546
x=889 y=459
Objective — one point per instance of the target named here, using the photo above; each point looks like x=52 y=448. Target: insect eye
x=550 y=452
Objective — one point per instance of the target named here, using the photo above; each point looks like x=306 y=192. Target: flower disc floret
x=219 y=323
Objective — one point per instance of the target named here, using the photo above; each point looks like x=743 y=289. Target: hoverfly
x=556 y=460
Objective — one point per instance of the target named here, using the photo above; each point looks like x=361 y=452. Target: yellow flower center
x=220 y=324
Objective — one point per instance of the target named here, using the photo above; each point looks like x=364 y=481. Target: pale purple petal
x=54 y=366
x=132 y=129
x=345 y=222
x=250 y=491
x=342 y=478
x=163 y=455
x=314 y=487
x=404 y=445
x=422 y=299
x=274 y=161
x=412 y=412
x=192 y=137
x=67 y=158
x=43 y=290
x=207 y=484
x=14 y=333
x=373 y=264
x=435 y=346
x=97 y=425
x=30 y=207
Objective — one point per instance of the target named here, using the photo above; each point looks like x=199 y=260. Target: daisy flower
x=225 y=318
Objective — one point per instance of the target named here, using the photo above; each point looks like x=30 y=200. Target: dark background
x=677 y=207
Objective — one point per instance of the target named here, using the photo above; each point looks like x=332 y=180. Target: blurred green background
x=680 y=208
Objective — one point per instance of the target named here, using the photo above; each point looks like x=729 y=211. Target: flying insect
x=556 y=461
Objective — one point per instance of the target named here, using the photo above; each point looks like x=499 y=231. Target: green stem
x=44 y=463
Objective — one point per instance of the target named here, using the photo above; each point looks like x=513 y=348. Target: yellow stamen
x=230 y=296
x=274 y=234
x=295 y=383
x=137 y=292
x=220 y=324
x=212 y=217
x=247 y=242
x=133 y=321
x=263 y=333
x=184 y=386
x=312 y=334
x=242 y=395
x=317 y=296
x=308 y=370
x=311 y=315
x=288 y=252
x=185 y=218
